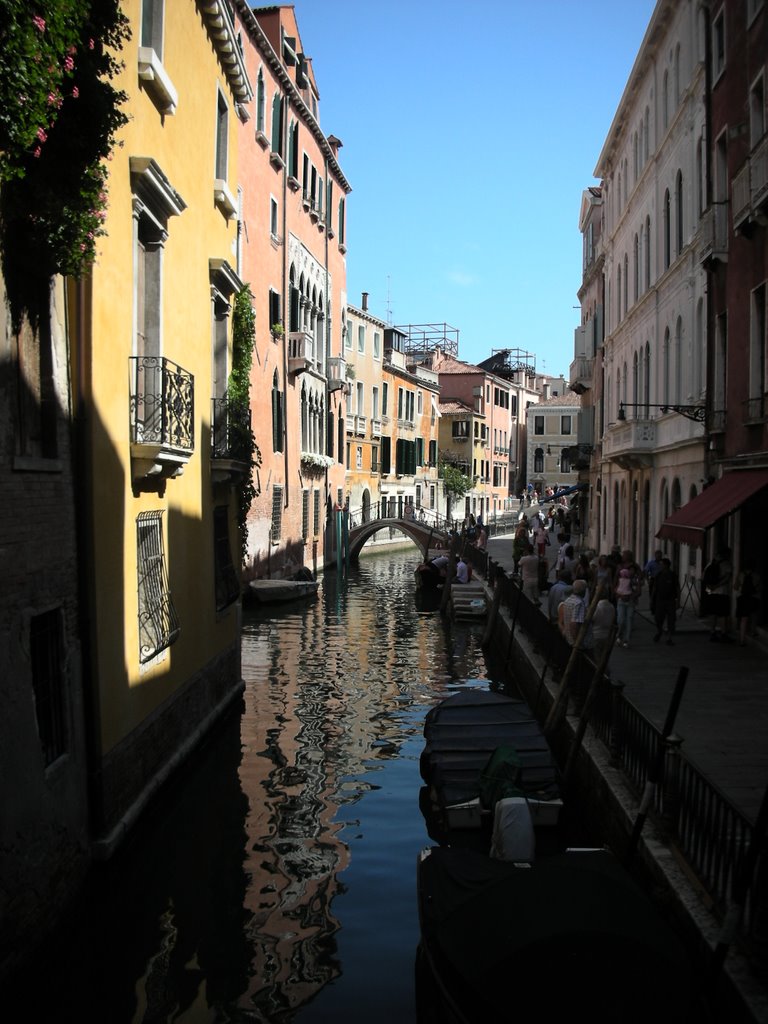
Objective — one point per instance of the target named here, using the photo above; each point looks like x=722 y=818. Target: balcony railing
x=375 y=428
x=162 y=403
x=741 y=197
x=630 y=443
x=581 y=372
x=759 y=175
x=360 y=422
x=714 y=233
x=337 y=373
x=300 y=354
x=230 y=430
x=756 y=408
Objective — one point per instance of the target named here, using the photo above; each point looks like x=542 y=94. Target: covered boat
x=482 y=746
x=570 y=936
x=302 y=585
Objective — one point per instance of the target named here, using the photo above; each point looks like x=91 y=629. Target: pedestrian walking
x=717 y=581
x=560 y=589
x=572 y=612
x=542 y=540
x=603 y=621
x=748 y=589
x=629 y=586
x=651 y=569
x=667 y=599
x=529 y=574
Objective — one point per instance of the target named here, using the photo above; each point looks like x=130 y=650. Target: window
x=222 y=137
x=260 y=102
x=273 y=218
x=316 y=515
x=374 y=458
x=679 y=212
x=418 y=496
x=419 y=403
x=565 y=424
x=342 y=225
x=433 y=453
x=346 y=330
x=277 y=513
x=358 y=457
x=667 y=227
x=718 y=43
x=757 y=111
x=275 y=308
x=158 y=622
x=384 y=398
x=400 y=402
x=47 y=659
x=665 y=101
x=374 y=402
x=538 y=424
x=758 y=370
x=647 y=252
x=154 y=77
x=227 y=586
x=386 y=455
x=432 y=495
x=360 y=393
x=376 y=345
x=277 y=124
x=538 y=460
x=460 y=428
x=36 y=406
x=565 y=461
x=361 y=338
x=304 y=514
x=278 y=408
x=293 y=153
x=419 y=451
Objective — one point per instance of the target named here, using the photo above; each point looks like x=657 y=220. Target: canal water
x=275 y=881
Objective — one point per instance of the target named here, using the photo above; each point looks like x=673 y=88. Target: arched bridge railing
x=425 y=527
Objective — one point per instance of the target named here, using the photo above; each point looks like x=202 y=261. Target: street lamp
x=691 y=412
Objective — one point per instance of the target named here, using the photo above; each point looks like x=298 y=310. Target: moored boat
x=482 y=746
x=571 y=935
x=272 y=591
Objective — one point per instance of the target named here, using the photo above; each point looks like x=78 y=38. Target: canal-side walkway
x=723 y=716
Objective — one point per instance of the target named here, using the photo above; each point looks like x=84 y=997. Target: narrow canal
x=275 y=880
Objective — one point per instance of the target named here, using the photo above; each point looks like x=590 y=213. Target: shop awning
x=690 y=523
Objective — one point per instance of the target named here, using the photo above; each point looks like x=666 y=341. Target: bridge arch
x=422 y=535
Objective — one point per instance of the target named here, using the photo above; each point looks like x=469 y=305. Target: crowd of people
x=621 y=581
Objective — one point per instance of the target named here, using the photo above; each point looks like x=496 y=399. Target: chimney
x=365 y=302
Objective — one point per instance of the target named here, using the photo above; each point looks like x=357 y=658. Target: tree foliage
x=59 y=119
x=244 y=447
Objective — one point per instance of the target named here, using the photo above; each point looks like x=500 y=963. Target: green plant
x=59 y=119
x=244 y=445
x=278 y=330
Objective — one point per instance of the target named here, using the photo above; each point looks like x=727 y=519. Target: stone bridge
x=422 y=534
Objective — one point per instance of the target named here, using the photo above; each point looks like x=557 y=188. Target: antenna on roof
x=389 y=304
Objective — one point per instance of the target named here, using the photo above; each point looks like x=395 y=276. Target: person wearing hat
x=572 y=611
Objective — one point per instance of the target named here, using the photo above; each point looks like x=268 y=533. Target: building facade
x=291 y=250
x=652 y=172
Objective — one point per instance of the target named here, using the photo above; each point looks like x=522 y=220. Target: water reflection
x=276 y=879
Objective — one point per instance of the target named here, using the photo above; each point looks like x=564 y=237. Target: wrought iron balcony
x=162 y=408
x=230 y=439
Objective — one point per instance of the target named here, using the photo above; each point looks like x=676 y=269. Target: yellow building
x=152 y=352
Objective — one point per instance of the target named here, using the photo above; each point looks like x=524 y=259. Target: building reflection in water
x=328 y=690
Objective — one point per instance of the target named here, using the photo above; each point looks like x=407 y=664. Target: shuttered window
x=277 y=512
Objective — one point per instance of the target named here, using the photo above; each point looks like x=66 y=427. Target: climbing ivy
x=243 y=440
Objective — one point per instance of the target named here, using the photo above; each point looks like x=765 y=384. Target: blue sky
x=470 y=131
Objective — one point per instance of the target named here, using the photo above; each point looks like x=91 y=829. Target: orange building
x=291 y=251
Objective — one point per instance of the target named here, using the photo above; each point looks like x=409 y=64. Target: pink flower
x=91 y=44
x=75 y=92
x=37 y=151
x=39 y=23
x=41 y=134
x=69 y=64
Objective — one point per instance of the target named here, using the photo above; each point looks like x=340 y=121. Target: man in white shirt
x=462 y=572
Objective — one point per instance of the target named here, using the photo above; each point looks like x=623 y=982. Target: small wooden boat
x=273 y=591
x=480 y=747
x=569 y=936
